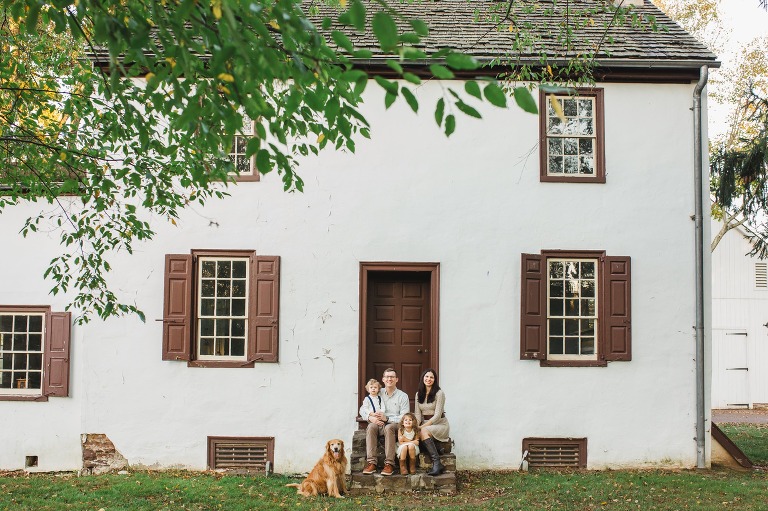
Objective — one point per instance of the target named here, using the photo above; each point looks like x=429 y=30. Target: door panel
x=398 y=326
x=730 y=378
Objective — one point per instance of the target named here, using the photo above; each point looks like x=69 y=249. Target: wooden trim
x=434 y=289
x=599 y=114
x=25 y=309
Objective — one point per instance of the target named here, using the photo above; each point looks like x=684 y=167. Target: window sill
x=573 y=363
x=40 y=398
x=569 y=179
x=215 y=363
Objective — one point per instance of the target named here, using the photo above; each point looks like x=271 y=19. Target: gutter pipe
x=698 y=180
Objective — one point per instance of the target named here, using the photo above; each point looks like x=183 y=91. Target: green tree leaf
x=385 y=30
x=525 y=100
x=461 y=61
x=450 y=125
x=441 y=72
x=439 y=111
x=495 y=95
x=470 y=111
x=410 y=99
x=473 y=89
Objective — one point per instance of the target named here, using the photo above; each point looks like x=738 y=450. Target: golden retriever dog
x=329 y=474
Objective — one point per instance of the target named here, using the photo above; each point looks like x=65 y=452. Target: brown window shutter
x=533 y=308
x=616 y=296
x=57 y=341
x=264 y=310
x=177 y=307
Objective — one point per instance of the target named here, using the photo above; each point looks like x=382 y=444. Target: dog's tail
x=293 y=485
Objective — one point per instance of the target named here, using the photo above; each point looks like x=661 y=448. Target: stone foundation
x=100 y=455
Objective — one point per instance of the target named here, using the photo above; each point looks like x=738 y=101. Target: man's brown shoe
x=388 y=470
x=370 y=468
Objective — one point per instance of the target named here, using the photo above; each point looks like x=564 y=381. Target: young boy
x=372 y=402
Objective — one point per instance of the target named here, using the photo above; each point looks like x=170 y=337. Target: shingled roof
x=464 y=25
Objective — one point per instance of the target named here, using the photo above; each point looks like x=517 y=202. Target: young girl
x=372 y=402
x=408 y=443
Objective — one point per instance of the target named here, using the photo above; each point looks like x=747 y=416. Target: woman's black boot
x=437 y=467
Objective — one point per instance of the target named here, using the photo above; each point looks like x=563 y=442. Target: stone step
x=357 y=457
x=360 y=484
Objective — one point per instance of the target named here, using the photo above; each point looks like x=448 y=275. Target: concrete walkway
x=758 y=415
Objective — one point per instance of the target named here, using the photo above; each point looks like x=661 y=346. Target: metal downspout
x=699 y=220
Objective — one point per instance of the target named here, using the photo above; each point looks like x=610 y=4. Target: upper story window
x=34 y=353
x=245 y=166
x=571 y=137
x=575 y=308
x=221 y=308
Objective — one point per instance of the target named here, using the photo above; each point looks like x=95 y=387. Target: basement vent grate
x=241 y=454
x=556 y=452
x=761 y=275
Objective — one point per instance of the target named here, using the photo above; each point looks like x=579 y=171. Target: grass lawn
x=576 y=491
x=752 y=439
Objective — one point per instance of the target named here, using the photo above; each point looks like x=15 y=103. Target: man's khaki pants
x=372 y=442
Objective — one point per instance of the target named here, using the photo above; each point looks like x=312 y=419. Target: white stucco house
x=548 y=275
x=739 y=319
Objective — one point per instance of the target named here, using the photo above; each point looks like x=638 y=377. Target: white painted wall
x=738 y=307
x=473 y=203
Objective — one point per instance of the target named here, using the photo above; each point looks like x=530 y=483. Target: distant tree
x=109 y=151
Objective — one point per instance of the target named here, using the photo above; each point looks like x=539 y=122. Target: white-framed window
x=222 y=319
x=572 y=309
x=571 y=136
x=245 y=166
x=21 y=352
x=34 y=352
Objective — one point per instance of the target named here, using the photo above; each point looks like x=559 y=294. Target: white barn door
x=730 y=369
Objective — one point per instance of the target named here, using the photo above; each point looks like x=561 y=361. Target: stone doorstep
x=360 y=483
x=424 y=462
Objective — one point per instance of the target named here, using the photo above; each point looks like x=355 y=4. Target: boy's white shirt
x=365 y=408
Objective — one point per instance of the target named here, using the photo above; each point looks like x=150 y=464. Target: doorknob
x=420 y=351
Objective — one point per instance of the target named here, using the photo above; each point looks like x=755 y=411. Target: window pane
x=587 y=327
x=585 y=107
x=571 y=307
x=238 y=288
x=206 y=327
x=207 y=307
x=587 y=288
x=223 y=287
x=588 y=307
x=571 y=164
x=556 y=345
x=208 y=269
x=222 y=347
x=555 y=146
x=571 y=146
x=556 y=327
x=19 y=342
x=222 y=307
x=6 y=341
x=571 y=345
x=238 y=327
x=556 y=288
x=554 y=126
x=35 y=342
x=585 y=146
x=569 y=108
x=223 y=269
x=206 y=346
x=208 y=288
x=587 y=346
x=20 y=361
x=571 y=288
x=571 y=327
x=35 y=323
x=586 y=165
x=238 y=347
x=242 y=142
x=34 y=380
x=586 y=127
x=6 y=323
x=5 y=380
x=238 y=308
x=20 y=324
x=222 y=327
x=244 y=165
x=555 y=307
x=556 y=270
x=36 y=361
x=556 y=164
x=238 y=269
x=587 y=270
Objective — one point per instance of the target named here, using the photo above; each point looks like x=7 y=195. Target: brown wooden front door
x=399 y=319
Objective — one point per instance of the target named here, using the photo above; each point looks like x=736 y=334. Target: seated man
x=385 y=422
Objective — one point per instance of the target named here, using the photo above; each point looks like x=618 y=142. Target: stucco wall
x=472 y=203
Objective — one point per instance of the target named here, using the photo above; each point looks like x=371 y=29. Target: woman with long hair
x=430 y=413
